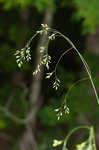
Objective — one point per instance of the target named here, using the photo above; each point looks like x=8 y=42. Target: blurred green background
x=19 y=20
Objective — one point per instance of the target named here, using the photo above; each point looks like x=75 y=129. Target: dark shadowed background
x=24 y=97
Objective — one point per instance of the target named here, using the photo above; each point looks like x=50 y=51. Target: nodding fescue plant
x=24 y=55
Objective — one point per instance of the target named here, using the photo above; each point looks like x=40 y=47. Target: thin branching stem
x=71 y=132
x=83 y=61
x=29 y=42
x=61 y=58
x=86 y=78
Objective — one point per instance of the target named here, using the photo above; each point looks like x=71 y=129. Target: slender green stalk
x=71 y=132
x=86 y=78
x=93 y=138
x=83 y=61
x=29 y=42
x=61 y=58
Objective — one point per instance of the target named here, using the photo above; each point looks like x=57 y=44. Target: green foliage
x=88 y=11
x=85 y=11
x=39 y=4
x=92 y=61
x=47 y=116
x=13 y=107
x=10 y=39
x=42 y=4
x=3 y=124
